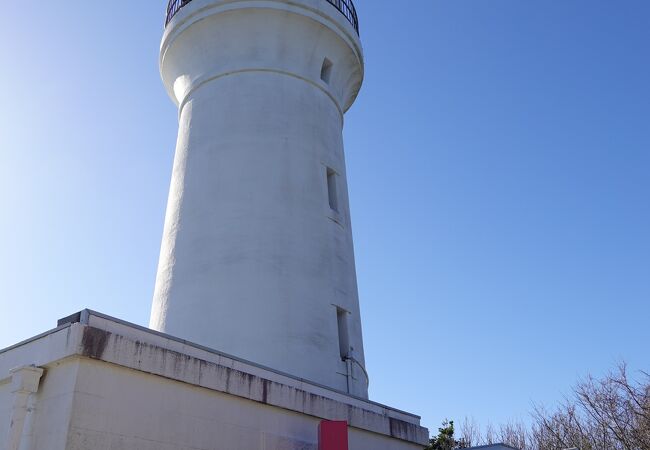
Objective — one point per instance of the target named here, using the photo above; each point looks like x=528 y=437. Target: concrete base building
x=257 y=262
x=97 y=383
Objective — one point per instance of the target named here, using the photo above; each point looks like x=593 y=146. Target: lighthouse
x=257 y=256
x=255 y=338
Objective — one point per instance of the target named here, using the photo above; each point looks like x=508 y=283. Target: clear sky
x=499 y=164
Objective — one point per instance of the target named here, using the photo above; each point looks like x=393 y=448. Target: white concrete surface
x=110 y=385
x=24 y=383
x=256 y=260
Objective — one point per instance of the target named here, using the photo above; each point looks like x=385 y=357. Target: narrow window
x=332 y=191
x=326 y=71
x=344 y=335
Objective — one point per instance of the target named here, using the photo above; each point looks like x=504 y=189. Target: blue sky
x=499 y=164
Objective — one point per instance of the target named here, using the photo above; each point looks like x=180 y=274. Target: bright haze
x=499 y=169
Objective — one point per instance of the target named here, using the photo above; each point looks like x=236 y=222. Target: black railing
x=346 y=7
x=348 y=10
x=173 y=7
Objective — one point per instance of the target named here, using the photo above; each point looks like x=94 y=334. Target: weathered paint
x=94 y=342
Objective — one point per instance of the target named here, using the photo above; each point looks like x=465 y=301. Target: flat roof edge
x=84 y=317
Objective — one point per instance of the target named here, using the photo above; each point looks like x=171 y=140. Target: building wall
x=47 y=419
x=118 y=408
x=47 y=425
x=88 y=404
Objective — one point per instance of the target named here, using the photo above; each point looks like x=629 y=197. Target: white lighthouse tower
x=257 y=257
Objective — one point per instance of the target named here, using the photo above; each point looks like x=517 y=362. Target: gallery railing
x=346 y=7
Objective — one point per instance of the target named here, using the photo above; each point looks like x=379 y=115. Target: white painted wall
x=116 y=408
x=52 y=407
x=254 y=262
x=46 y=416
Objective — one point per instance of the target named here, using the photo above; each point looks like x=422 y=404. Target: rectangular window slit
x=326 y=70
x=344 y=334
x=332 y=191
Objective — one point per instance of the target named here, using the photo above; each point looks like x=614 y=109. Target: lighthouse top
x=345 y=7
x=206 y=39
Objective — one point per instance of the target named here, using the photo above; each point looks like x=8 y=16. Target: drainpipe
x=348 y=376
x=350 y=362
x=25 y=382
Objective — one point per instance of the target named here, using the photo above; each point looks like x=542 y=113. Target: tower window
x=326 y=71
x=344 y=334
x=332 y=191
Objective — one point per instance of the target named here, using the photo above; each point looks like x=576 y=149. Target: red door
x=333 y=435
